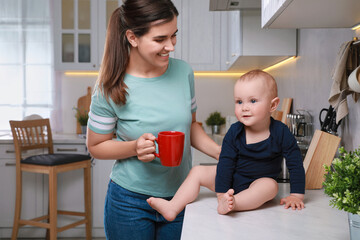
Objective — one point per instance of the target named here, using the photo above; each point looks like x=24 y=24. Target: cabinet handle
x=10 y=151
x=66 y=150
x=233 y=55
x=10 y=164
x=227 y=62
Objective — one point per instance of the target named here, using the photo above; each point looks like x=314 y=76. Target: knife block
x=321 y=151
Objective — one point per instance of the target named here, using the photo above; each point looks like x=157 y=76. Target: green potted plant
x=215 y=120
x=342 y=184
x=82 y=118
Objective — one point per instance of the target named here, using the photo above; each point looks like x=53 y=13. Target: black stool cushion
x=55 y=159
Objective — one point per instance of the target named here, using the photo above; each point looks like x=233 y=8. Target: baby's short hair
x=266 y=77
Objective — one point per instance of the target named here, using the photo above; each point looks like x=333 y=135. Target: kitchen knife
x=325 y=125
x=333 y=125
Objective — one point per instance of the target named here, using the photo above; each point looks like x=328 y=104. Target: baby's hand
x=294 y=201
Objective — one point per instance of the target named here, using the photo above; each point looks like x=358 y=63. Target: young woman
x=140 y=92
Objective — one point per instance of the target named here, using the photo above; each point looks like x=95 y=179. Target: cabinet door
x=75 y=34
x=101 y=177
x=230 y=38
x=200 y=35
x=31 y=193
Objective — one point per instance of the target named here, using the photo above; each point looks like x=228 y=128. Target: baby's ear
x=274 y=104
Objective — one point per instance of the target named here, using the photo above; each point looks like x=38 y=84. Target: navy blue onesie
x=240 y=163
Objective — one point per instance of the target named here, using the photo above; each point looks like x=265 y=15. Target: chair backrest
x=31 y=134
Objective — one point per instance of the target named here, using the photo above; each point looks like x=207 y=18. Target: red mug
x=171 y=147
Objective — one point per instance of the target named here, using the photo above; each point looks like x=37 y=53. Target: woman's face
x=154 y=47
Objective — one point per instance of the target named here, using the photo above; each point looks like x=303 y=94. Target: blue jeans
x=127 y=215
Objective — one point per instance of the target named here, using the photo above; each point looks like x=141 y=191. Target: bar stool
x=36 y=134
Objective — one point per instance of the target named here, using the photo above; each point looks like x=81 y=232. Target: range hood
x=228 y=5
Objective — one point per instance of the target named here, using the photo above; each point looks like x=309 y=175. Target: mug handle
x=155 y=153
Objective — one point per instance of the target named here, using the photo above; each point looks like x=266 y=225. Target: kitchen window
x=26 y=65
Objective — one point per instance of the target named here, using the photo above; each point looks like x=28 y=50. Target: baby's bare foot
x=164 y=207
x=226 y=202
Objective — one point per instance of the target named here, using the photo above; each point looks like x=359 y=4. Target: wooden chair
x=36 y=134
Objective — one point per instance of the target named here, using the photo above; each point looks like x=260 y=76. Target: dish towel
x=346 y=61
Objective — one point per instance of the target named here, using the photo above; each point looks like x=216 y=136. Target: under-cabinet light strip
x=279 y=63
x=217 y=74
x=68 y=73
x=196 y=73
x=356 y=27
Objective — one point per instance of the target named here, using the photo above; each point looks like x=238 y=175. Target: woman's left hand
x=293 y=201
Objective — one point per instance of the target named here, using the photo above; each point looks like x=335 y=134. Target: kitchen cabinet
x=75 y=43
x=32 y=192
x=200 y=35
x=251 y=47
x=79 y=32
x=101 y=177
x=198 y=44
x=230 y=38
x=207 y=40
x=310 y=14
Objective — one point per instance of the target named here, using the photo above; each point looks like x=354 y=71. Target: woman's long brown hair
x=137 y=16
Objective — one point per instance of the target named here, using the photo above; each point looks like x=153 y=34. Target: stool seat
x=55 y=159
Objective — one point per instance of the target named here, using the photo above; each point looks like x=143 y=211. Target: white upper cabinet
x=230 y=38
x=75 y=39
x=310 y=13
x=207 y=40
x=200 y=35
x=79 y=32
x=248 y=46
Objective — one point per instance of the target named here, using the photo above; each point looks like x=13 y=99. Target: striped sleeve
x=192 y=89
x=102 y=117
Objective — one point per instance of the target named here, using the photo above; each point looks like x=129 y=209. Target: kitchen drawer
x=70 y=148
x=7 y=151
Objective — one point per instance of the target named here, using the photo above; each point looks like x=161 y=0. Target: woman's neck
x=139 y=68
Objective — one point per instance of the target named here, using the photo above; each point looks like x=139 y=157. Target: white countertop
x=317 y=221
x=61 y=138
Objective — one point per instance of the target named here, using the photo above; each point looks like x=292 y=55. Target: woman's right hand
x=145 y=147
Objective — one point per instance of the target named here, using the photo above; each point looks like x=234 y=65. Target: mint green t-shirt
x=164 y=103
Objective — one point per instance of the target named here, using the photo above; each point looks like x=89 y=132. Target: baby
x=250 y=159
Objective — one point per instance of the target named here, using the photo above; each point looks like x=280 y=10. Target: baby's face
x=252 y=101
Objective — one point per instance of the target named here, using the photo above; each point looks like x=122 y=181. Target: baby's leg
x=259 y=192
x=226 y=202
x=188 y=192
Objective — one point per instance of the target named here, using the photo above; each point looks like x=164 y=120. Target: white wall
x=72 y=88
x=308 y=78
x=212 y=94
